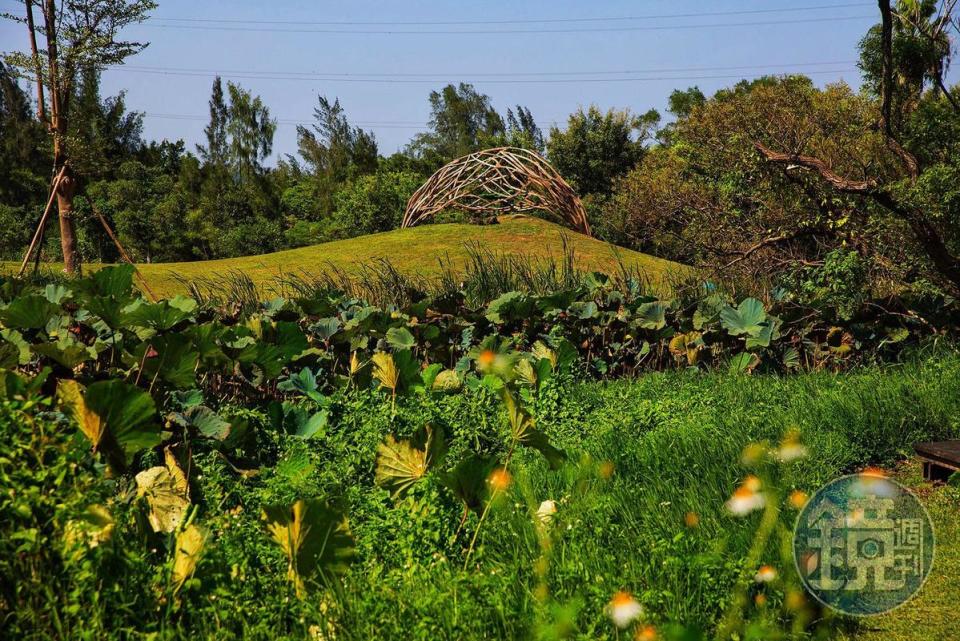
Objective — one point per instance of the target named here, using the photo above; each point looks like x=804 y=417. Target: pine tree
x=215 y=153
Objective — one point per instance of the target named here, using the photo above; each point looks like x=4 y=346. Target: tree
x=332 y=148
x=596 y=148
x=215 y=152
x=373 y=203
x=462 y=121
x=334 y=152
x=707 y=197
x=21 y=140
x=236 y=195
x=78 y=35
x=522 y=130
x=682 y=102
x=250 y=132
x=103 y=134
x=895 y=182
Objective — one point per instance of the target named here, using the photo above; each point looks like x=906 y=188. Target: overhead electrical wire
x=261 y=29
x=698 y=14
x=448 y=74
x=479 y=81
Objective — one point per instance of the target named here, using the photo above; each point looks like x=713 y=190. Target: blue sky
x=287 y=57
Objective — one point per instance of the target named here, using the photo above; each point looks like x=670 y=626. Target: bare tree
x=73 y=36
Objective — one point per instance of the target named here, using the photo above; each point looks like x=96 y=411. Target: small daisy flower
x=646 y=633
x=747 y=498
x=623 y=609
x=791 y=449
x=500 y=479
x=546 y=511
x=798 y=499
x=765 y=574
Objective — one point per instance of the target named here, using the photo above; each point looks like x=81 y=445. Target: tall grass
x=485 y=275
x=674 y=445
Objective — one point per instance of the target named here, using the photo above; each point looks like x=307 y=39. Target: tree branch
x=886 y=77
x=38 y=69
x=766 y=242
x=923 y=230
x=809 y=162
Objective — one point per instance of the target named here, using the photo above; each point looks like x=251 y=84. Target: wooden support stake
x=38 y=234
x=123 y=252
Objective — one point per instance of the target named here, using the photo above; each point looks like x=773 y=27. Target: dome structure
x=491 y=182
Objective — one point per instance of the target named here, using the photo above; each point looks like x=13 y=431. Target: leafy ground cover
x=418 y=250
x=638 y=507
x=444 y=466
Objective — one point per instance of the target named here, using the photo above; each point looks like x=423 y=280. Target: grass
x=644 y=455
x=932 y=614
x=419 y=250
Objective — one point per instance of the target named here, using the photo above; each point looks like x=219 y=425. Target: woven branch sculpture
x=497 y=181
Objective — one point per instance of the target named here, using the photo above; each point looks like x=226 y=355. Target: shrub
x=373 y=203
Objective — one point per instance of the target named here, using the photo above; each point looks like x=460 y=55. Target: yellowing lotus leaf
x=400 y=464
x=167 y=493
x=189 y=548
x=385 y=371
x=541 y=351
x=525 y=373
x=313 y=535
x=70 y=396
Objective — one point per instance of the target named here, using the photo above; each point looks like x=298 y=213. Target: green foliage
x=839 y=286
x=628 y=485
x=117 y=417
x=372 y=203
x=597 y=148
x=461 y=121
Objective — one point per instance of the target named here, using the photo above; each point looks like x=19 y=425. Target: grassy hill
x=418 y=250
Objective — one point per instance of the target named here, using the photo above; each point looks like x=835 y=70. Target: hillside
x=416 y=250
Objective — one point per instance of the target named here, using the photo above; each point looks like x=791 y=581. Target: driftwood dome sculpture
x=496 y=181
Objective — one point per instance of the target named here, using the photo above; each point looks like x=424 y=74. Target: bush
x=373 y=203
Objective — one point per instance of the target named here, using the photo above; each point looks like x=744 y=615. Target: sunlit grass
x=423 y=251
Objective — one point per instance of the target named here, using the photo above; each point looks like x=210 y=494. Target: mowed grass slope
x=419 y=250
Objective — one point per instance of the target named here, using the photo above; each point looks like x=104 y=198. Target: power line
x=386 y=124
x=479 y=81
x=699 y=14
x=444 y=75
x=511 y=31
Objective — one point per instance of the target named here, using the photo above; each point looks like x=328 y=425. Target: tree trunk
x=68 y=237
x=59 y=108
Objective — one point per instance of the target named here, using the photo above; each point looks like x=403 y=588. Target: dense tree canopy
x=597 y=147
